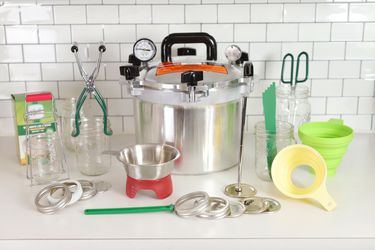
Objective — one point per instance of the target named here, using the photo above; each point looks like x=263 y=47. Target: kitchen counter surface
x=298 y=225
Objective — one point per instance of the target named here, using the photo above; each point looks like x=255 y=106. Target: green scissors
x=91 y=90
x=294 y=79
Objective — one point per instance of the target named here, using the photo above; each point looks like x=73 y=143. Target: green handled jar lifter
x=91 y=90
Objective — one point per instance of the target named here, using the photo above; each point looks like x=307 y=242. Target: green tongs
x=294 y=78
x=91 y=90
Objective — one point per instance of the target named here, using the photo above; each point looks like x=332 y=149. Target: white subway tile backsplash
x=6 y=108
x=274 y=13
x=340 y=31
x=22 y=34
x=116 y=124
x=329 y=50
x=200 y=13
x=9 y=88
x=155 y=32
x=230 y=13
x=69 y=14
x=314 y=31
x=282 y=32
x=250 y=32
x=273 y=70
x=135 y=14
x=360 y=50
x=57 y=71
x=362 y=12
x=255 y=106
x=39 y=53
x=294 y=13
x=168 y=13
x=369 y=32
x=9 y=15
x=366 y=105
x=318 y=105
x=344 y=69
x=4 y=73
x=109 y=89
x=69 y=89
x=24 y=72
x=318 y=69
x=112 y=71
x=296 y=48
x=64 y=54
x=358 y=87
x=85 y=1
x=102 y=14
x=54 y=34
x=43 y=86
x=368 y=70
x=221 y=32
x=129 y=125
x=52 y=2
x=7 y=127
x=217 y=1
x=118 y=1
x=326 y=87
x=260 y=69
x=251 y=1
x=87 y=33
x=176 y=28
x=332 y=12
x=11 y=53
x=265 y=51
x=120 y=106
x=36 y=14
x=2 y=35
x=185 y=1
x=151 y=1
x=359 y=123
x=341 y=105
x=125 y=50
x=119 y=33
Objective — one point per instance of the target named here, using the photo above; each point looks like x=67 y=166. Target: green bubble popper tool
x=331 y=139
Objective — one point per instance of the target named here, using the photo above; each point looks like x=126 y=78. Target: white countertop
x=298 y=225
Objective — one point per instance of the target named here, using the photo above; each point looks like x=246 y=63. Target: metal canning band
x=236 y=209
x=75 y=188
x=218 y=208
x=88 y=188
x=200 y=204
x=50 y=209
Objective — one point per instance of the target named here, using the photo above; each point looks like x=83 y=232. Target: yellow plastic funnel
x=291 y=157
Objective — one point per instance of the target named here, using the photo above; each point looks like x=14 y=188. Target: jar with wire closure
x=93 y=148
x=268 y=144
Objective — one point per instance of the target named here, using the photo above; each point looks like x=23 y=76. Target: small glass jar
x=267 y=145
x=46 y=159
x=67 y=123
x=293 y=105
x=93 y=148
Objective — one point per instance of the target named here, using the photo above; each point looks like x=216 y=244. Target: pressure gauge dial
x=233 y=53
x=144 y=50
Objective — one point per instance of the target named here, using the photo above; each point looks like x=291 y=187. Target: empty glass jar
x=93 y=147
x=268 y=144
x=292 y=105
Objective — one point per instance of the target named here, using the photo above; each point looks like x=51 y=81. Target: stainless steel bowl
x=148 y=161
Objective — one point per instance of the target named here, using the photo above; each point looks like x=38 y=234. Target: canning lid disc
x=255 y=205
x=273 y=205
x=246 y=190
x=191 y=204
x=236 y=209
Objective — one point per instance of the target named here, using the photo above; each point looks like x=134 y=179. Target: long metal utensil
x=239 y=189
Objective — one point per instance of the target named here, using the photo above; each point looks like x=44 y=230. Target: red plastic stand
x=162 y=188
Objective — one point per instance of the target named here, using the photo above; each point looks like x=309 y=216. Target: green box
x=34 y=114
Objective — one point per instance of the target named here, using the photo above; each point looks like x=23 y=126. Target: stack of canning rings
x=62 y=194
x=199 y=204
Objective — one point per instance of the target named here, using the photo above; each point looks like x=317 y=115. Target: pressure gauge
x=233 y=53
x=144 y=50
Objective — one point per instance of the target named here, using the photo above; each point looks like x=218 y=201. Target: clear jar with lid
x=292 y=105
x=93 y=148
x=268 y=144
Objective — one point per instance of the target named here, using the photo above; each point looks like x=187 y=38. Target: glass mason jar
x=67 y=123
x=46 y=159
x=292 y=105
x=267 y=145
x=93 y=148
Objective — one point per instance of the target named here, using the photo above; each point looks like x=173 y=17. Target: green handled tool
x=129 y=210
x=294 y=78
x=269 y=110
x=91 y=90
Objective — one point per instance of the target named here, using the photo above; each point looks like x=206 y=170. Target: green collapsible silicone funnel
x=331 y=139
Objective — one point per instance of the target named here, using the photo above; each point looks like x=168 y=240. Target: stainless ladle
x=239 y=189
